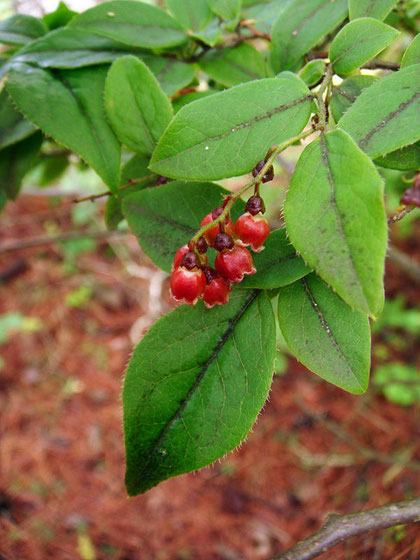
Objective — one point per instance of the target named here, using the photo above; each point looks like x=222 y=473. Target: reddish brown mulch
x=314 y=450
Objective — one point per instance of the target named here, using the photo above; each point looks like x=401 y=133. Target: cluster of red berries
x=193 y=279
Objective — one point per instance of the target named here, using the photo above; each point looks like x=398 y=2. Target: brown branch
x=339 y=528
x=378 y=64
x=402 y=211
x=130 y=183
x=47 y=239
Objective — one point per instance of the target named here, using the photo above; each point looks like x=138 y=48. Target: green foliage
x=193 y=15
x=325 y=334
x=13 y=126
x=359 y=41
x=195 y=385
x=313 y=72
x=21 y=29
x=226 y=9
x=377 y=9
x=399 y=383
x=347 y=92
x=412 y=54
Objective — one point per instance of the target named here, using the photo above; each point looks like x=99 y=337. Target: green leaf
x=227 y=133
x=400 y=383
x=15 y=162
x=52 y=168
x=412 y=54
x=133 y=23
x=136 y=169
x=394 y=122
x=300 y=26
x=21 y=29
x=226 y=9
x=171 y=74
x=59 y=18
x=265 y=14
x=165 y=218
x=325 y=334
x=405 y=159
x=313 y=72
x=210 y=35
x=13 y=125
x=335 y=218
x=113 y=214
x=234 y=65
x=359 y=41
x=377 y=9
x=277 y=265
x=194 y=387
x=135 y=105
x=179 y=102
x=72 y=48
x=67 y=105
x=344 y=95
x=193 y=15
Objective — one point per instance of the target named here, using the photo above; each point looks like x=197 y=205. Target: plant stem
x=109 y=193
x=274 y=152
x=320 y=99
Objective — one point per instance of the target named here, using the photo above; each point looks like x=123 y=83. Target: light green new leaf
x=335 y=218
x=21 y=29
x=165 y=218
x=405 y=159
x=386 y=116
x=325 y=334
x=344 y=95
x=226 y=9
x=227 y=133
x=194 y=387
x=359 y=41
x=68 y=106
x=412 y=54
x=13 y=125
x=171 y=74
x=15 y=162
x=133 y=23
x=210 y=35
x=313 y=72
x=234 y=65
x=277 y=265
x=193 y=15
x=300 y=26
x=377 y=9
x=135 y=105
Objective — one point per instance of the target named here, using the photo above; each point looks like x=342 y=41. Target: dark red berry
x=161 y=180
x=411 y=196
x=216 y=292
x=252 y=230
x=190 y=260
x=187 y=285
x=210 y=234
x=178 y=256
x=201 y=245
x=269 y=174
x=223 y=241
x=255 y=205
x=232 y=265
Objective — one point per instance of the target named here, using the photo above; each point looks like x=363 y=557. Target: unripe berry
x=252 y=230
x=269 y=174
x=223 y=241
x=210 y=234
x=232 y=265
x=187 y=285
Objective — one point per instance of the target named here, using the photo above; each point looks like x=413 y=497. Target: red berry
x=252 y=230
x=216 y=292
x=232 y=265
x=187 y=285
x=210 y=234
x=178 y=256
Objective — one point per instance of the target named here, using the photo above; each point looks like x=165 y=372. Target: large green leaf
x=13 y=125
x=226 y=9
x=265 y=14
x=359 y=41
x=171 y=74
x=405 y=159
x=133 y=23
x=412 y=54
x=335 y=218
x=386 y=116
x=300 y=26
x=67 y=105
x=60 y=17
x=344 y=95
x=15 y=162
x=226 y=134
x=135 y=105
x=193 y=15
x=21 y=29
x=325 y=334
x=166 y=217
x=277 y=265
x=72 y=48
x=234 y=65
x=194 y=387
x=377 y=9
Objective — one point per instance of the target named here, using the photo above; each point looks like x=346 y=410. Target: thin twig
x=130 y=183
x=47 y=239
x=402 y=211
x=378 y=64
x=339 y=528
